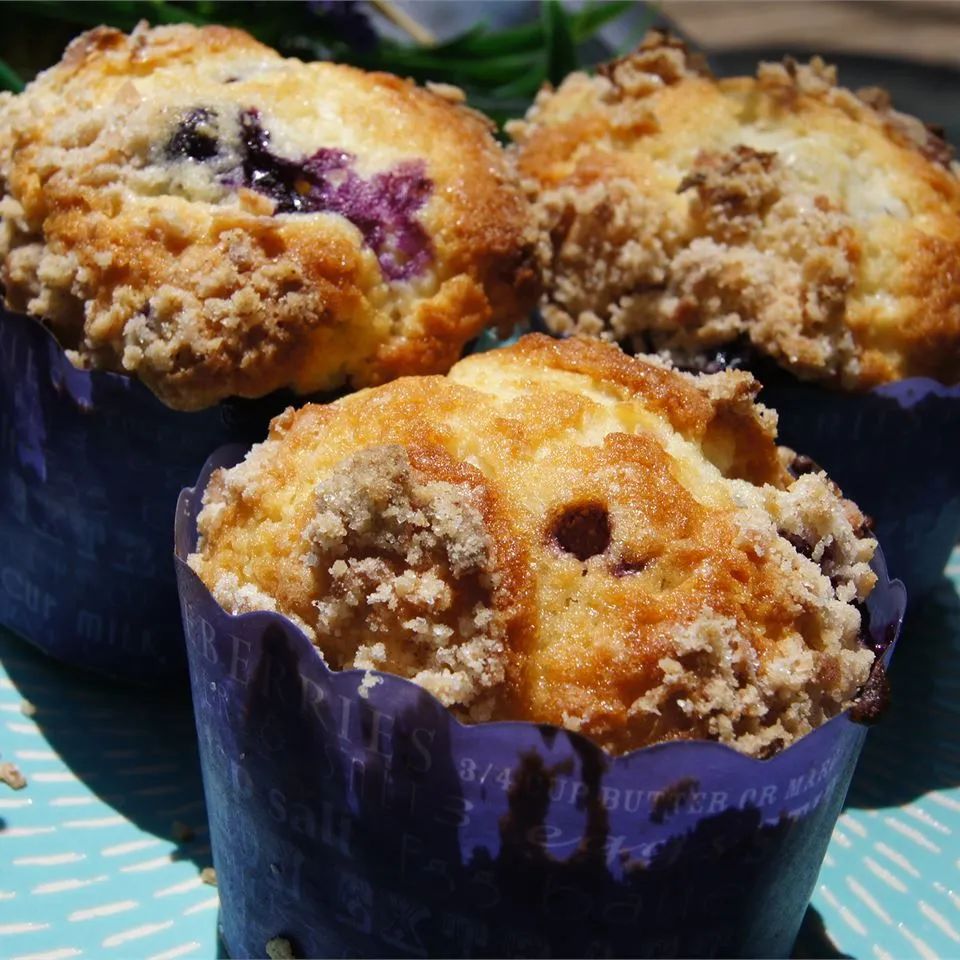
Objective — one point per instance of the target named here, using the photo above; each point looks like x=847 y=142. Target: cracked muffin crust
x=558 y=532
x=186 y=206
x=682 y=213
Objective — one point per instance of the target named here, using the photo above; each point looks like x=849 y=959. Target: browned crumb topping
x=401 y=553
x=208 y=876
x=280 y=949
x=404 y=578
x=10 y=775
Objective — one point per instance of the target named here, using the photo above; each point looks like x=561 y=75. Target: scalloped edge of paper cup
x=352 y=814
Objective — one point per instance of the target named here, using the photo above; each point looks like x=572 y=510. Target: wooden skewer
x=400 y=18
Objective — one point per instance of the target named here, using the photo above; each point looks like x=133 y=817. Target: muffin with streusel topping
x=780 y=223
x=684 y=213
x=560 y=647
x=186 y=206
x=558 y=532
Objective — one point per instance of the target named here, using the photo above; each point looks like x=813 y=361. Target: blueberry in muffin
x=186 y=206
x=561 y=533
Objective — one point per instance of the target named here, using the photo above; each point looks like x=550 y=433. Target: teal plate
x=90 y=860
x=101 y=854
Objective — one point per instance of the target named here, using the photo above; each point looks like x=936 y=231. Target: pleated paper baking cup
x=92 y=464
x=895 y=451
x=356 y=820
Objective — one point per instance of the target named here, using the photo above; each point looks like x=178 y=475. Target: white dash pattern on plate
x=89 y=842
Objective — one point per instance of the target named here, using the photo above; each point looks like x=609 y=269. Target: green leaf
x=587 y=21
x=162 y=12
x=123 y=14
x=9 y=78
x=490 y=71
x=463 y=43
x=481 y=41
x=561 y=52
x=525 y=86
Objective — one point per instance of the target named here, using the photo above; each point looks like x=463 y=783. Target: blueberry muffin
x=188 y=207
x=558 y=532
x=779 y=214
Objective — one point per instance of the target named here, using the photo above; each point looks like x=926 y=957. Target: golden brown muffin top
x=561 y=533
x=684 y=213
x=187 y=206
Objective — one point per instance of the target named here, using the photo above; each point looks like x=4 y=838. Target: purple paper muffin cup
x=92 y=464
x=895 y=451
x=370 y=822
